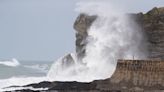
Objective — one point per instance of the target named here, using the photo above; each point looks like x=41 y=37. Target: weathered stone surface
x=143 y=74
x=81 y=25
x=153 y=24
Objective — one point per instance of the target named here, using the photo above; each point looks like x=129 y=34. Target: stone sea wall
x=143 y=74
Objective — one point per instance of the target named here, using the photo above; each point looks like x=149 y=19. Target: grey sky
x=42 y=29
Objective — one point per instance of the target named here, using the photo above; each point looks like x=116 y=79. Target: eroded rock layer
x=153 y=24
x=141 y=74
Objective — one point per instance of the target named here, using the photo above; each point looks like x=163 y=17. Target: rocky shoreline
x=130 y=76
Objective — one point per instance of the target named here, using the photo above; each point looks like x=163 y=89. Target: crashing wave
x=19 y=81
x=13 y=63
x=113 y=35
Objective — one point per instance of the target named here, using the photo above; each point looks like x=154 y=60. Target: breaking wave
x=111 y=37
x=13 y=63
x=19 y=81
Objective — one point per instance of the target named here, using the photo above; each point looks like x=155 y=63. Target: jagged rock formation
x=67 y=61
x=153 y=24
x=81 y=25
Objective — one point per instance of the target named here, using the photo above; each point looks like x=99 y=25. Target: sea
x=21 y=72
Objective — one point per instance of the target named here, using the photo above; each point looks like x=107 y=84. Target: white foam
x=111 y=37
x=13 y=63
x=21 y=88
x=19 y=81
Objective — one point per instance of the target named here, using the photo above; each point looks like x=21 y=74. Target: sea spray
x=112 y=36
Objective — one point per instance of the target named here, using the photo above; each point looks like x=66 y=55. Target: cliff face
x=153 y=24
x=81 y=25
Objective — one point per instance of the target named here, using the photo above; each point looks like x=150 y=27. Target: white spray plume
x=112 y=36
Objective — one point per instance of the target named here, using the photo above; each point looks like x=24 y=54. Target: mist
x=112 y=36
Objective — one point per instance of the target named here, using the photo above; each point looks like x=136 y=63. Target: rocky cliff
x=81 y=25
x=153 y=24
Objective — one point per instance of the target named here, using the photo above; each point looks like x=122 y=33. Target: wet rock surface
x=81 y=25
x=67 y=61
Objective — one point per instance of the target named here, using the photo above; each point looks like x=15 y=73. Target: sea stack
x=81 y=25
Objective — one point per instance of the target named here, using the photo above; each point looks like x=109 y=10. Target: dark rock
x=67 y=61
x=73 y=86
x=81 y=25
x=153 y=24
x=44 y=84
x=25 y=90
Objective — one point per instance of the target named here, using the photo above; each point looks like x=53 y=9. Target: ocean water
x=15 y=68
x=14 y=72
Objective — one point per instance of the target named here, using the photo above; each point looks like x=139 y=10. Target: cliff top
x=156 y=10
